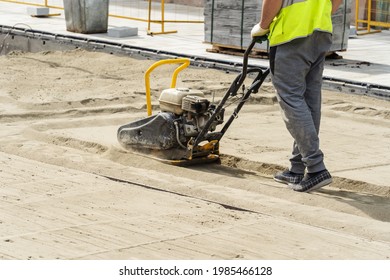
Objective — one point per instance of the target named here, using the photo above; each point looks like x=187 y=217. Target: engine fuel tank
x=171 y=99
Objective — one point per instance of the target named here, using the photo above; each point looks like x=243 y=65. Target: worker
x=299 y=34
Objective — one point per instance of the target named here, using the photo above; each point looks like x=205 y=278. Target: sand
x=69 y=191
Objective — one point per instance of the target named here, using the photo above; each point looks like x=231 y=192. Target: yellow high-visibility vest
x=300 y=18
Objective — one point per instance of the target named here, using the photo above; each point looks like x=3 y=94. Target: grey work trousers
x=296 y=70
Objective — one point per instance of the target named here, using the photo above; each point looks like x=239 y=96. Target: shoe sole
x=318 y=186
x=281 y=181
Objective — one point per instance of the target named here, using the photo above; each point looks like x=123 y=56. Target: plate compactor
x=184 y=132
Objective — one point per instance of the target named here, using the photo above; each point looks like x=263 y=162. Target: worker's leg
x=313 y=96
x=296 y=164
x=314 y=77
x=291 y=64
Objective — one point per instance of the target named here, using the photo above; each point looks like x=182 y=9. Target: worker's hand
x=259 y=33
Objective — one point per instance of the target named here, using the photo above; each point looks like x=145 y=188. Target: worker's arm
x=335 y=5
x=269 y=11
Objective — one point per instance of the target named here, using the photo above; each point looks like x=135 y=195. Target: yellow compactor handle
x=185 y=63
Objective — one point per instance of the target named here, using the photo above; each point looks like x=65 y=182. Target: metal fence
x=149 y=11
x=372 y=13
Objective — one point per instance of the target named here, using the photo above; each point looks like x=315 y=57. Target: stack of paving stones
x=228 y=23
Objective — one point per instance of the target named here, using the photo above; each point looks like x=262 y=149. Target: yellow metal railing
x=376 y=13
x=156 y=6
x=162 y=21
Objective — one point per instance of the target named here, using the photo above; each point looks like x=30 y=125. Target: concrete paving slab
x=33 y=11
x=122 y=31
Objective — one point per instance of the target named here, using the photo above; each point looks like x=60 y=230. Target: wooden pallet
x=231 y=50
